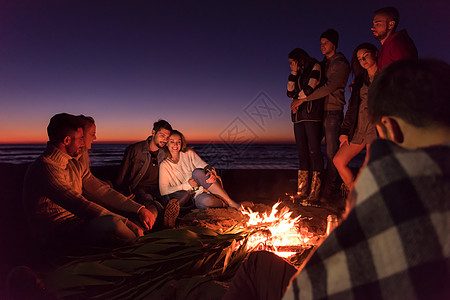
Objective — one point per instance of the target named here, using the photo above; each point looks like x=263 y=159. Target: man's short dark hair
x=390 y=12
x=62 y=125
x=416 y=91
x=161 y=124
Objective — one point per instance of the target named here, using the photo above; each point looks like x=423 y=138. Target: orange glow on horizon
x=109 y=131
x=128 y=141
x=39 y=136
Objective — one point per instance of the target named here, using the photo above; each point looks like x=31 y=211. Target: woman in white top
x=183 y=173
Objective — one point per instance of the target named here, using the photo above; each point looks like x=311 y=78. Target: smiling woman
x=184 y=174
x=89 y=130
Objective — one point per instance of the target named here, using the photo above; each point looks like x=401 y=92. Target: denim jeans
x=307 y=137
x=331 y=126
x=204 y=200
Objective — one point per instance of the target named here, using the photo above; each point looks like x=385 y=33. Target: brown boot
x=302 y=184
x=315 y=186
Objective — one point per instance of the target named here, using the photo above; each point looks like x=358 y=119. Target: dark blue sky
x=205 y=66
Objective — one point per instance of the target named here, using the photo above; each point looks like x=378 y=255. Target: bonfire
x=277 y=232
x=200 y=254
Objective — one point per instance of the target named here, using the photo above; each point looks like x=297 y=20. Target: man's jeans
x=331 y=126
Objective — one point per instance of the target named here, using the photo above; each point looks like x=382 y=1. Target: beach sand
x=260 y=186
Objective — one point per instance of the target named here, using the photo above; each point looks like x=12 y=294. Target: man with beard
x=394 y=45
x=55 y=196
x=393 y=243
x=139 y=172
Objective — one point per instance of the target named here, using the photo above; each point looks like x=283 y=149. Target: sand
x=262 y=187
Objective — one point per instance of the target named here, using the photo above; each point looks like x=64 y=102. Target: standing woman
x=357 y=132
x=307 y=117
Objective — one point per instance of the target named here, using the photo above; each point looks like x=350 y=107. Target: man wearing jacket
x=394 y=45
x=394 y=242
x=336 y=69
x=139 y=172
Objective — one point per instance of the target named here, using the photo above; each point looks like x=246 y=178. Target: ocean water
x=221 y=156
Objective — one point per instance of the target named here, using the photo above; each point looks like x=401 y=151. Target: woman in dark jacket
x=307 y=117
x=357 y=131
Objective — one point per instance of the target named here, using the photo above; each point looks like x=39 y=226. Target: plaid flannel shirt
x=395 y=243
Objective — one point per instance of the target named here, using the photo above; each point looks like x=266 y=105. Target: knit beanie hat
x=331 y=35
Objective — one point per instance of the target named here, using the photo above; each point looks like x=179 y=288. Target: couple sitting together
x=163 y=170
x=67 y=206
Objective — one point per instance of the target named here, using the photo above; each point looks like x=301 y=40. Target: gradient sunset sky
x=216 y=70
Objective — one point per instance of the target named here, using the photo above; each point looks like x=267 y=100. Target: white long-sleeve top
x=175 y=176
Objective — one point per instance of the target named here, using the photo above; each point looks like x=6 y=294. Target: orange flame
x=276 y=232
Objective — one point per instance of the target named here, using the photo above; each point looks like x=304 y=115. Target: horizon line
x=135 y=141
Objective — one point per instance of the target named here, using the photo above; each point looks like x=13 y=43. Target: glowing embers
x=277 y=232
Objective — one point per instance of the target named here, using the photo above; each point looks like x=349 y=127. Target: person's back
x=392 y=245
x=394 y=242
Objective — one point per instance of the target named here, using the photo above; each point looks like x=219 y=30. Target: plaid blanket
x=395 y=243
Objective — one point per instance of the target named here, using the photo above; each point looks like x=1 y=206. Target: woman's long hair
x=184 y=147
x=300 y=56
x=359 y=72
x=86 y=122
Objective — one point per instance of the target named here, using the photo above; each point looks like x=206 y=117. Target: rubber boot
x=315 y=186
x=302 y=184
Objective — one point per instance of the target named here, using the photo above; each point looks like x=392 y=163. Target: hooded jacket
x=396 y=47
x=336 y=70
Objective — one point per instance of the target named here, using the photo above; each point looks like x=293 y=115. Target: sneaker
x=171 y=212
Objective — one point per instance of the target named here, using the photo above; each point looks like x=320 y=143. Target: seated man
x=139 y=172
x=56 y=200
x=394 y=244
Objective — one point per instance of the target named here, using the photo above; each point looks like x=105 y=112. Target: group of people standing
x=317 y=91
x=392 y=241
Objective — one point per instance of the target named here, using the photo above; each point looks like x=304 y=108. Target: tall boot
x=302 y=184
x=315 y=186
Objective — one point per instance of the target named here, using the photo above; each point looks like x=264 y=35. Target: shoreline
x=257 y=185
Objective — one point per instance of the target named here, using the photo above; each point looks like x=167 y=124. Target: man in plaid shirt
x=395 y=242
